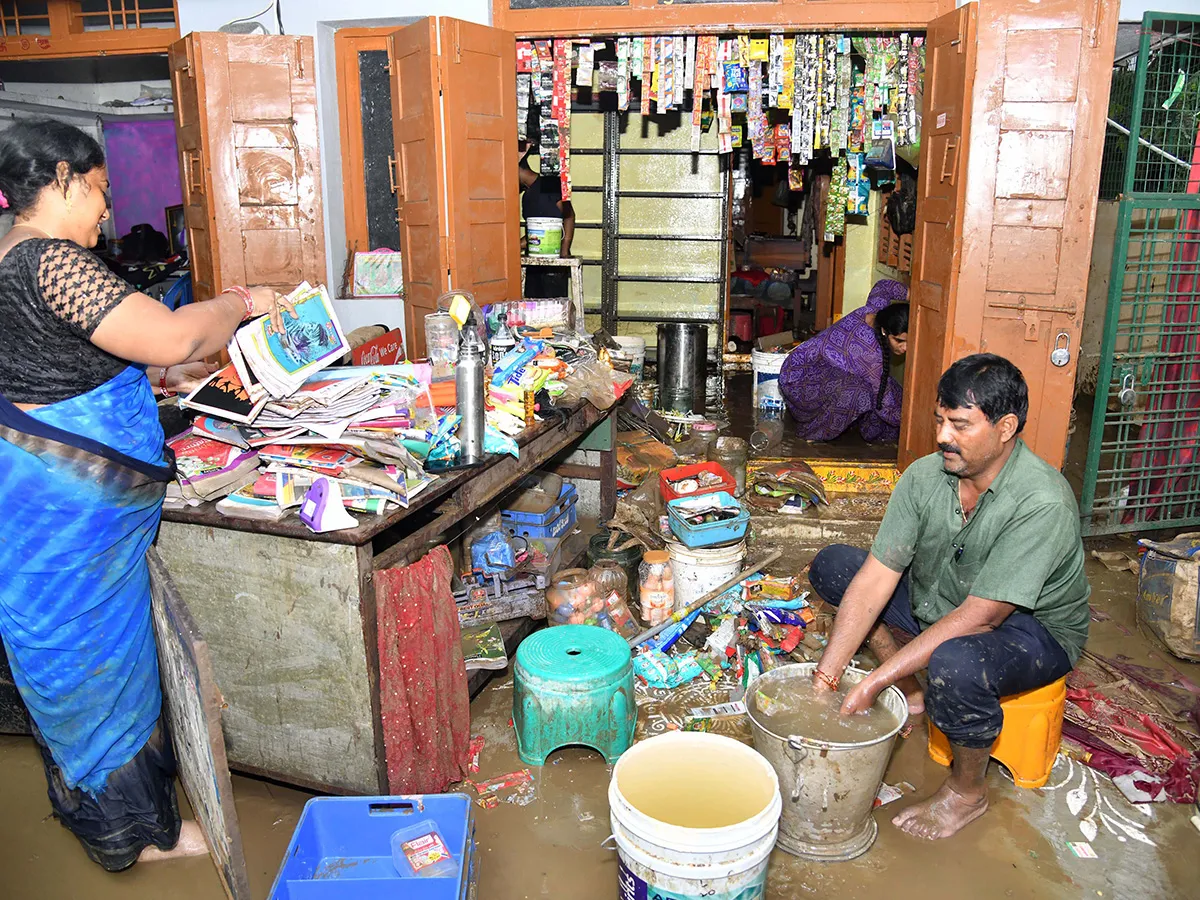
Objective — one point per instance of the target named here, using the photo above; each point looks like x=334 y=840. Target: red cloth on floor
x=423 y=696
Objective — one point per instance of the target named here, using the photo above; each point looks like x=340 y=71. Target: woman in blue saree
x=83 y=472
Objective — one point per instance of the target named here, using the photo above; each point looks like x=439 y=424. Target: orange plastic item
x=1029 y=738
x=668 y=477
x=444 y=394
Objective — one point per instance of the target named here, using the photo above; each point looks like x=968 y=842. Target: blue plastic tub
x=555 y=522
x=341 y=849
x=714 y=532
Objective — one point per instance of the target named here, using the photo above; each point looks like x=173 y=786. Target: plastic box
x=714 y=532
x=556 y=522
x=728 y=484
x=341 y=849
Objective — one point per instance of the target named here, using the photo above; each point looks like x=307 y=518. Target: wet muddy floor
x=548 y=842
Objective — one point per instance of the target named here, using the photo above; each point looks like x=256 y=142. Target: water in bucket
x=797 y=708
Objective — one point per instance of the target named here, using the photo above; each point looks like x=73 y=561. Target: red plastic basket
x=727 y=484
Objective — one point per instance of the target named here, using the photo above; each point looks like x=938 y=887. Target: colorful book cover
x=223 y=395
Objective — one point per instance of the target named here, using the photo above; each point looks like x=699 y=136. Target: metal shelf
x=676 y=195
x=671 y=279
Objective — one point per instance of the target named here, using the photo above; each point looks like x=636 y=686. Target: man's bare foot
x=942 y=815
x=190 y=843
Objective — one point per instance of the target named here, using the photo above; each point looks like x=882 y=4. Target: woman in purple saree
x=839 y=379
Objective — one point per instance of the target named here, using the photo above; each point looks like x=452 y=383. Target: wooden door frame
x=656 y=17
x=347 y=44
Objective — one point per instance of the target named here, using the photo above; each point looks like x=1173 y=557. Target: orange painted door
x=479 y=89
x=454 y=115
x=1033 y=187
x=250 y=160
x=1003 y=242
x=418 y=176
x=937 y=241
x=190 y=127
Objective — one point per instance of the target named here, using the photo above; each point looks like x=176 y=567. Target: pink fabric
x=423 y=694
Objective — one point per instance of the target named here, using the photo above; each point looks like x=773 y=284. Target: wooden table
x=290 y=616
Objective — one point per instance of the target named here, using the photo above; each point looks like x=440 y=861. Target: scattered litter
x=662 y=671
x=491 y=801
x=512 y=779
x=736 y=708
x=1196 y=821
x=1082 y=849
x=586 y=817
x=1117 y=561
x=473 y=752
x=889 y=792
x=524 y=795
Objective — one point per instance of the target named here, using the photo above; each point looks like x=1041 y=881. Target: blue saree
x=81 y=484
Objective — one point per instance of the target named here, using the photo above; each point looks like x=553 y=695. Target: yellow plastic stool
x=1029 y=737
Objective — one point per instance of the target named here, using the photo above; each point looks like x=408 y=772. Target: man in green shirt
x=980 y=558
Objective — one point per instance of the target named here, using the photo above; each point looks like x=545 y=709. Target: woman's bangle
x=238 y=291
x=830 y=681
x=162 y=383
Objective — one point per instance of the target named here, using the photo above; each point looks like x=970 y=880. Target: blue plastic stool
x=573 y=684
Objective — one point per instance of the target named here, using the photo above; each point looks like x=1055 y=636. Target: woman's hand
x=269 y=302
x=185 y=378
x=863 y=695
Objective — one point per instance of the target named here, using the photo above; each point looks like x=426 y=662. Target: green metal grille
x=1116 y=135
x=1143 y=466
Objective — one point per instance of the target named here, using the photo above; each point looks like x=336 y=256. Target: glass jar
x=705 y=436
x=441 y=343
x=612 y=584
x=732 y=453
x=656 y=587
x=572 y=599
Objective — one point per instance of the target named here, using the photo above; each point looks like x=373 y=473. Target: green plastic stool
x=573 y=684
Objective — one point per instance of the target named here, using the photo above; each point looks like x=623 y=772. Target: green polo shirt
x=1022 y=544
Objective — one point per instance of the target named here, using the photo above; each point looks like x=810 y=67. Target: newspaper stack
x=280 y=363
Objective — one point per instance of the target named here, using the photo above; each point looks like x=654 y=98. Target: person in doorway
x=842 y=377
x=542 y=199
x=85 y=470
x=979 y=559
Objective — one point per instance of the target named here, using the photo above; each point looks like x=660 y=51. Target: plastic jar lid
x=656 y=557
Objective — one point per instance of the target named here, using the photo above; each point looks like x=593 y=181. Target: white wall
x=1132 y=10
x=320 y=19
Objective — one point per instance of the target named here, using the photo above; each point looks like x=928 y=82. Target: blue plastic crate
x=714 y=532
x=341 y=849
x=555 y=522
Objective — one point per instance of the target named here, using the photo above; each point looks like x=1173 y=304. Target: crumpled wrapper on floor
x=774 y=486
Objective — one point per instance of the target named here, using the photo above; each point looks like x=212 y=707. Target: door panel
x=420 y=200
x=247 y=130
x=1033 y=179
x=479 y=90
x=184 y=62
x=937 y=242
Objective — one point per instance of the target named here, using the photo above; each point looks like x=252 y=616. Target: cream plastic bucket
x=543 y=237
x=635 y=349
x=660 y=858
x=697 y=571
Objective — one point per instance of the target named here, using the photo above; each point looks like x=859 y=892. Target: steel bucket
x=828 y=788
x=682 y=359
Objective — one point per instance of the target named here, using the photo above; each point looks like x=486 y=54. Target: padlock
x=1127 y=395
x=1060 y=356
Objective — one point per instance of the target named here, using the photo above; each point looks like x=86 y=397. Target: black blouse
x=53 y=295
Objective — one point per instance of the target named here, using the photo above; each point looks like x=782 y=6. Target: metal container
x=828 y=787
x=682 y=359
x=468 y=377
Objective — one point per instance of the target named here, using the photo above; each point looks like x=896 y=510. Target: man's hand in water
x=862 y=696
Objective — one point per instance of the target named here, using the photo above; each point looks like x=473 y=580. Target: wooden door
x=1035 y=167
x=937 y=241
x=190 y=128
x=251 y=145
x=419 y=179
x=454 y=115
x=1004 y=232
x=479 y=89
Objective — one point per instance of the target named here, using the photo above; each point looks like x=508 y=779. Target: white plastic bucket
x=698 y=571
x=666 y=859
x=635 y=349
x=543 y=237
x=766 y=378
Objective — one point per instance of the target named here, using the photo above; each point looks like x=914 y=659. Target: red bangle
x=247 y=298
x=162 y=383
x=828 y=679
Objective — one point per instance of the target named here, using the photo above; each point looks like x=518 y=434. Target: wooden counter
x=290 y=616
